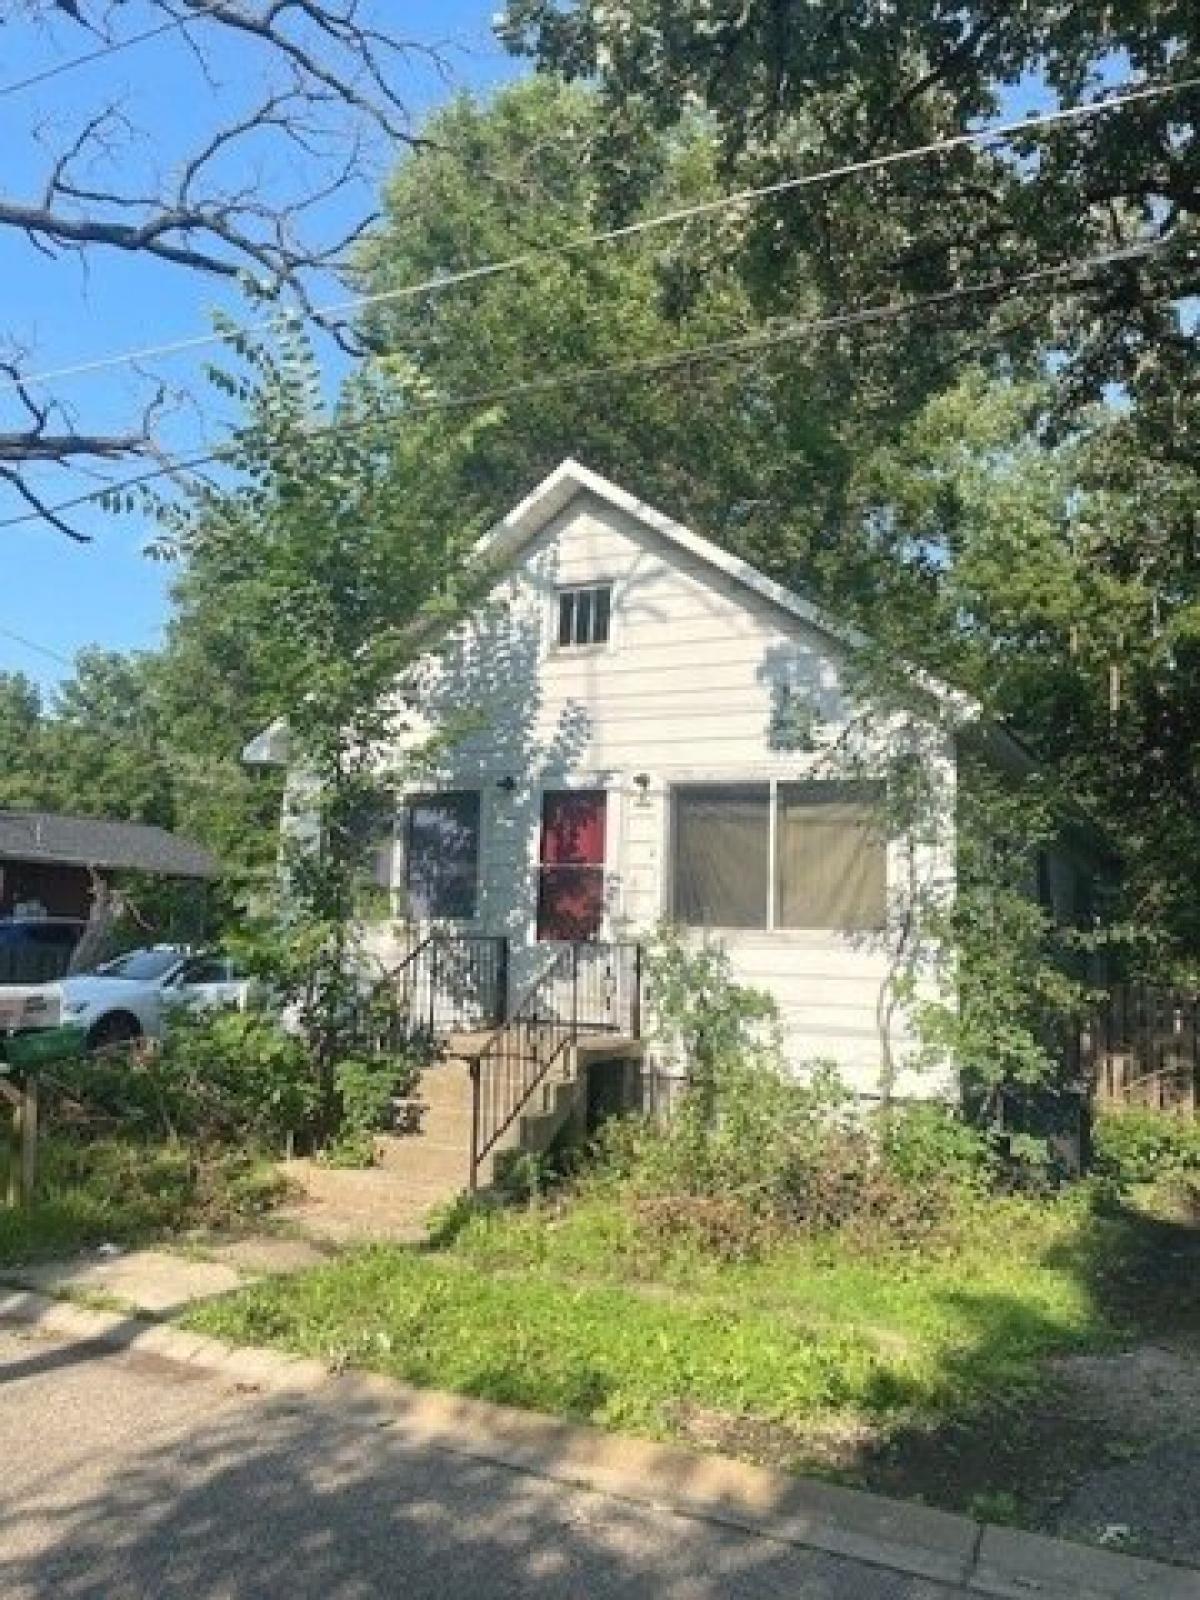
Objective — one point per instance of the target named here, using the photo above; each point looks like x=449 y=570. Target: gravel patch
x=1146 y=1506
x=1143 y=1498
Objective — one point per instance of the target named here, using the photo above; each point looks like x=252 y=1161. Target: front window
x=825 y=839
x=584 y=615
x=722 y=855
x=441 y=862
x=830 y=857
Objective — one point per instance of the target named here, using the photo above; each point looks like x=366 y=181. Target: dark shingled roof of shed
x=97 y=842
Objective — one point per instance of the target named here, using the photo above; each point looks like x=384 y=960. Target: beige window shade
x=830 y=856
x=720 y=866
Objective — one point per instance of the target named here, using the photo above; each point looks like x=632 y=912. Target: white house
x=662 y=733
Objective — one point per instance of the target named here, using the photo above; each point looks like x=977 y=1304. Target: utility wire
x=111 y=49
x=694 y=355
x=492 y=269
x=182 y=763
x=38 y=649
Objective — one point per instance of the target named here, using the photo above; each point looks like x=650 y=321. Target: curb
x=916 y=1540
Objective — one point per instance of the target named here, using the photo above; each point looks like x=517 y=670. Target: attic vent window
x=584 y=614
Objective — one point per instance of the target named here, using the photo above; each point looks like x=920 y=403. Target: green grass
x=123 y=1191
x=581 y=1314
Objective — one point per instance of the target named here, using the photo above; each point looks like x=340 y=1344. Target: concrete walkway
x=143 y=1461
x=161 y=1283
x=152 y=1281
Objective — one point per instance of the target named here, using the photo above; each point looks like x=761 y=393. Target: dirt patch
x=1147 y=1393
x=1012 y=1461
x=1142 y=1493
x=830 y=1445
x=1146 y=1505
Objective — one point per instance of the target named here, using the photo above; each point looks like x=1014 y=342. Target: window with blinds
x=830 y=856
x=721 y=855
x=827 y=840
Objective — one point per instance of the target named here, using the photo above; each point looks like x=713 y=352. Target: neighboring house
x=668 y=735
x=52 y=866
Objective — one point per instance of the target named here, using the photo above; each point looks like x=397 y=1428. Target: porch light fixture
x=508 y=783
x=641 y=782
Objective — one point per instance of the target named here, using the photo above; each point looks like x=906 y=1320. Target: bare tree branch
x=322 y=96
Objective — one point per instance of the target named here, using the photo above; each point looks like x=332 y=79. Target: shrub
x=752 y=1148
x=707 y=1021
x=930 y=1143
x=767 y=1153
x=1140 y=1145
x=366 y=1088
x=225 y=1077
x=96 y=1189
x=719 y=1225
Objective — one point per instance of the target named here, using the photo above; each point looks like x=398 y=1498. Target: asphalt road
x=126 y=1475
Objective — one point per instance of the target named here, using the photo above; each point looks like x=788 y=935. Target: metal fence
x=587 y=990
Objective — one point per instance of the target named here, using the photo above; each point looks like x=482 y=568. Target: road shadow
x=339 y=1497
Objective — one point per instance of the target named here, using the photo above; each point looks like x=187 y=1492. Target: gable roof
x=518 y=527
x=570 y=478
x=97 y=842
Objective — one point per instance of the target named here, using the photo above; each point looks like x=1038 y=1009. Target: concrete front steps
x=428 y=1164
x=437 y=1150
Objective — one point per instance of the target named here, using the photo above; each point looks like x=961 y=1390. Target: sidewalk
x=911 y=1541
x=161 y=1283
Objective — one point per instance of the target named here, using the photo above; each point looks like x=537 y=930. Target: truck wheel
x=116 y=1029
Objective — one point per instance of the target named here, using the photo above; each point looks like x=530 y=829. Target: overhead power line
x=583 y=377
x=114 y=47
x=482 y=271
x=38 y=649
x=182 y=763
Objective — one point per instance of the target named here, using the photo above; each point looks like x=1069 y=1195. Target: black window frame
x=576 y=601
x=445 y=910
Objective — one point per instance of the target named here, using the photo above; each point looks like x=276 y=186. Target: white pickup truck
x=128 y=998
x=29 y=1005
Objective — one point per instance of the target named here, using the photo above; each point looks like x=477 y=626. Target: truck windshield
x=143 y=966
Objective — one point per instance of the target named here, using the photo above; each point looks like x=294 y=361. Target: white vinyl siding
x=687 y=693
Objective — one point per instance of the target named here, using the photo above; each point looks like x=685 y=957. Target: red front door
x=571 y=874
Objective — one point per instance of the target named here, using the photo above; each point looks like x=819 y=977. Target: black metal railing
x=586 y=989
x=447 y=983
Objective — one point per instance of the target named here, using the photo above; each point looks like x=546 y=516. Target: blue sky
x=58 y=595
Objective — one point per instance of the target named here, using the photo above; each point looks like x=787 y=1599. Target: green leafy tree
x=105 y=744
x=332 y=546
x=20 y=740
x=756 y=448
x=794 y=88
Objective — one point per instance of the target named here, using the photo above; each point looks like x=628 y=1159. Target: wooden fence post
x=22 y=1166
x=29 y=1138
x=13 y=1195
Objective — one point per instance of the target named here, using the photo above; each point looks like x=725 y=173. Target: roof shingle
x=97 y=842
